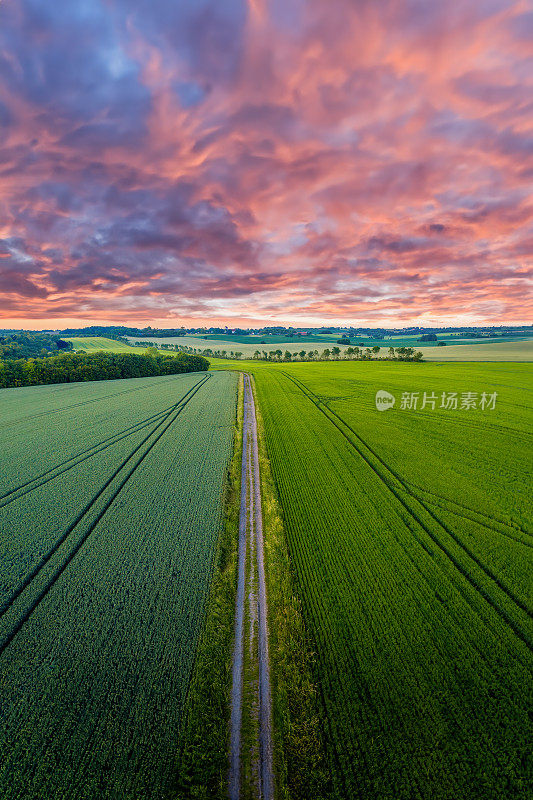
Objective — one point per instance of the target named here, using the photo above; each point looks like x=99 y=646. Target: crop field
x=455 y=340
x=482 y=351
x=92 y=344
x=409 y=532
x=110 y=512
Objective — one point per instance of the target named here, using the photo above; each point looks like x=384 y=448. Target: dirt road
x=251 y=757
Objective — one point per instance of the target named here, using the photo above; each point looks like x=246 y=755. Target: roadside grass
x=301 y=763
x=203 y=758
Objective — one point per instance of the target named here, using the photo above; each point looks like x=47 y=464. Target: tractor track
x=488 y=519
x=386 y=480
x=482 y=523
x=83 y=455
x=164 y=424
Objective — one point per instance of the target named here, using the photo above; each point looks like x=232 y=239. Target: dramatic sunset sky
x=270 y=161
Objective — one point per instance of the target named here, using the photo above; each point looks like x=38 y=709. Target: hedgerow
x=73 y=367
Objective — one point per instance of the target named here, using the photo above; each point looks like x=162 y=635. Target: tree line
x=333 y=354
x=25 y=345
x=100 y=366
x=120 y=331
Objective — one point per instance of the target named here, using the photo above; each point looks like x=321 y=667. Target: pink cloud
x=366 y=162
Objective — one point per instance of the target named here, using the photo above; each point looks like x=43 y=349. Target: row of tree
x=119 y=331
x=335 y=353
x=101 y=366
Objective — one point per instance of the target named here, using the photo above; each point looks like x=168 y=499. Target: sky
x=250 y=162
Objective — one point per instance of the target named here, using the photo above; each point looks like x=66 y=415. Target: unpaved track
x=251 y=541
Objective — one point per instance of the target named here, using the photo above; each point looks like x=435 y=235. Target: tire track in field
x=327 y=399
x=83 y=455
x=486 y=517
x=434 y=501
x=84 y=402
x=166 y=423
x=488 y=572
x=435 y=539
x=424 y=577
x=251 y=539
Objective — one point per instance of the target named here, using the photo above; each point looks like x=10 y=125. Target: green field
x=109 y=520
x=201 y=343
x=454 y=339
x=408 y=536
x=482 y=351
x=92 y=344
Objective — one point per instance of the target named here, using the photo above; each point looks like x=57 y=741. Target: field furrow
x=31 y=529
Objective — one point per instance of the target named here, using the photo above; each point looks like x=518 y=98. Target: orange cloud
x=265 y=161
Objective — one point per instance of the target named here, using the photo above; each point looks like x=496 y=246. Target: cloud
x=365 y=161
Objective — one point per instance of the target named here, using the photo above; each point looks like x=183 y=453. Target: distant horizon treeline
x=117 y=331
x=100 y=366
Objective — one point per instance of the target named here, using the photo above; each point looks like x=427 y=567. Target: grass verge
x=203 y=758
